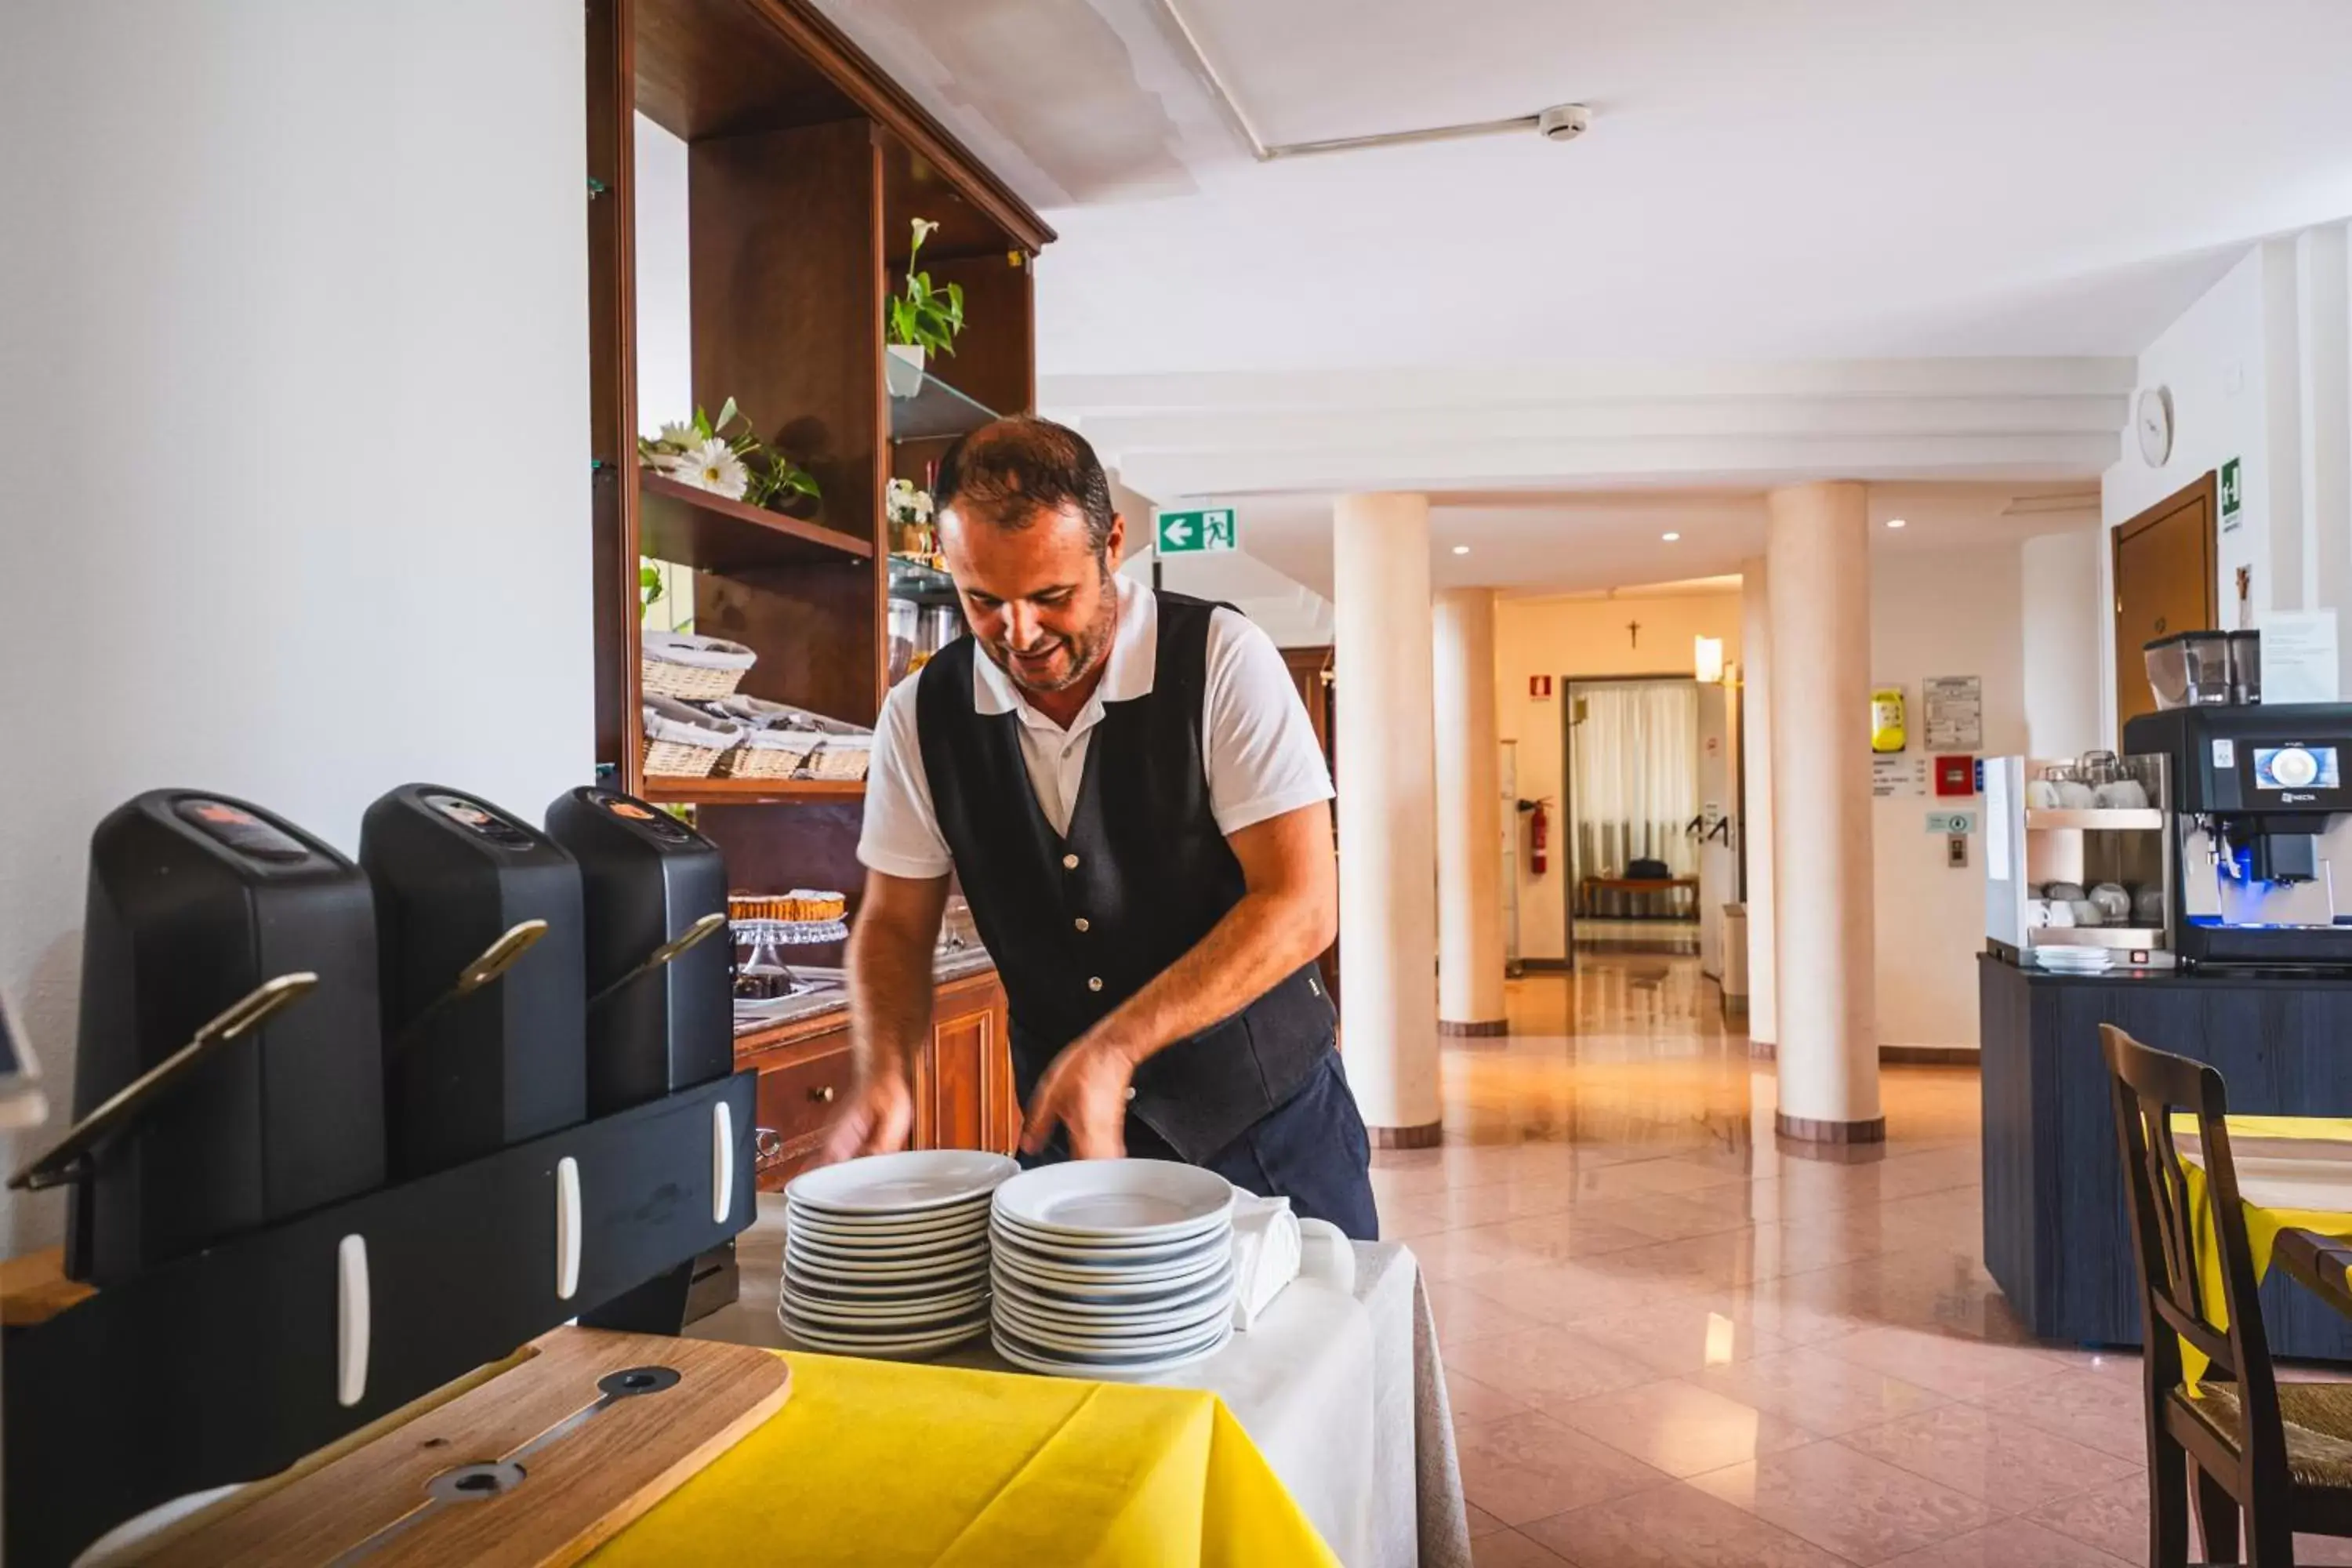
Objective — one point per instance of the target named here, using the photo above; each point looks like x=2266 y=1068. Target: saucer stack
x=888 y=1255
x=1108 y=1268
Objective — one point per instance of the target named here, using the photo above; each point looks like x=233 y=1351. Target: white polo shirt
x=1258 y=744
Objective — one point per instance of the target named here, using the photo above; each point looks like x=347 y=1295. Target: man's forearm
x=889 y=1000
x=1260 y=940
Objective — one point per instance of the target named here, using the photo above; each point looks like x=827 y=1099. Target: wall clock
x=2154 y=423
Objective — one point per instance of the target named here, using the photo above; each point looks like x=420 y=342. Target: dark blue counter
x=2053 y=1197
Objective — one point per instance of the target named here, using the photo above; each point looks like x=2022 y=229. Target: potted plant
x=923 y=320
x=741 y=467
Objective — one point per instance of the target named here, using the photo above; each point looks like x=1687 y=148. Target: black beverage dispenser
x=201 y=909
x=480 y=924
x=661 y=1009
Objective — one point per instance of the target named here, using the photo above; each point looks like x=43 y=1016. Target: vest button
x=1069 y=862
x=1130 y=1092
x=1094 y=983
x=1080 y=923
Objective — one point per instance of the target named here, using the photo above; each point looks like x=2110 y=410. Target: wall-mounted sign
x=1953 y=706
x=2233 y=494
x=1540 y=688
x=1951 y=821
x=1898 y=773
x=1213 y=528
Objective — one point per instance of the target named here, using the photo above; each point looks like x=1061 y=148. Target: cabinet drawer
x=795 y=1100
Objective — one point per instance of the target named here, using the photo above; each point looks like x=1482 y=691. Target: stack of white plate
x=2071 y=959
x=1112 y=1267
x=888 y=1255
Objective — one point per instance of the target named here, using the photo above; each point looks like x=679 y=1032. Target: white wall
x=665 y=282
x=2064 y=625
x=1565 y=638
x=1939 y=612
x=1293 y=615
x=293 y=428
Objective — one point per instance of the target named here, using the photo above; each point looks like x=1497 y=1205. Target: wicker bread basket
x=840 y=757
x=683 y=743
x=767 y=754
x=825 y=748
x=691 y=669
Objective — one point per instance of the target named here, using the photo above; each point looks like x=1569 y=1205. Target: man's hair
x=1010 y=470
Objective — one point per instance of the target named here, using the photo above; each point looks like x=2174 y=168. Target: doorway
x=2164 y=564
x=1631 y=787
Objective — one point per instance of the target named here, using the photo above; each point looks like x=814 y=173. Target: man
x=1129 y=790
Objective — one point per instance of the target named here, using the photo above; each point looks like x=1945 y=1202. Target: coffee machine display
x=660 y=1018
x=2261 y=822
x=212 y=922
x=480 y=924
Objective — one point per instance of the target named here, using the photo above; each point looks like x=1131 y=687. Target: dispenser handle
x=669 y=951
x=67 y=1160
x=498 y=958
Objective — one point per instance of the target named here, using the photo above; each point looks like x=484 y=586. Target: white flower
x=713 y=467
x=906 y=502
x=680 y=435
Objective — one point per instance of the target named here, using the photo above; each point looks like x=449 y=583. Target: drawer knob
x=822 y=1094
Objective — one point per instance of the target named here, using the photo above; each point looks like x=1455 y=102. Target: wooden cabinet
x=963 y=1080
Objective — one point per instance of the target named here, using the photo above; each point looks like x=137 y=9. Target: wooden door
x=963 y=1085
x=2164 y=566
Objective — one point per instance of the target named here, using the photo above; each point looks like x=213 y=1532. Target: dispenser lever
x=497 y=959
x=68 y=1161
x=668 y=951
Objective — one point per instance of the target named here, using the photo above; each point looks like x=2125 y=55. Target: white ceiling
x=1584 y=542
x=1834 y=177
x=1896 y=242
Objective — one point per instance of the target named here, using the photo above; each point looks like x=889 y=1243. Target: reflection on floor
x=1672 y=1345
x=1600 y=934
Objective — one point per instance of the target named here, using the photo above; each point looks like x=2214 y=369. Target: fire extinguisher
x=1539 y=837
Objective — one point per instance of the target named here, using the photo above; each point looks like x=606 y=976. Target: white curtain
x=1633 y=779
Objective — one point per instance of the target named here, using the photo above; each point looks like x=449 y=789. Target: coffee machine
x=2260 y=829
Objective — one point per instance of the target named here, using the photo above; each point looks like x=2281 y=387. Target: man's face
x=1039 y=598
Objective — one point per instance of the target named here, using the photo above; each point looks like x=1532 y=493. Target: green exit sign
x=1213 y=529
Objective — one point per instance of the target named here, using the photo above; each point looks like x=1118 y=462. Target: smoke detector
x=1564 y=121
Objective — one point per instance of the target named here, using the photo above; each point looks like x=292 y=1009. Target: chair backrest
x=2149 y=1086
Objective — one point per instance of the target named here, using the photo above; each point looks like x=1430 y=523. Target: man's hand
x=1085 y=1091
x=878 y=1120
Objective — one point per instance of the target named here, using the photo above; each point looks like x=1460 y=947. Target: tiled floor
x=1672 y=1345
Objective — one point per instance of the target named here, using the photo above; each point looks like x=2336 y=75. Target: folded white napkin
x=1266 y=1250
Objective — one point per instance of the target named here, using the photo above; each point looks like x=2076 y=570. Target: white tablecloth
x=1342 y=1392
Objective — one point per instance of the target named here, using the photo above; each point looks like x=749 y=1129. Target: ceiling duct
x=1561 y=122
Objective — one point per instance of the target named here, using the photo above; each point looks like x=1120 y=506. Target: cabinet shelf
x=936 y=412
x=912 y=580
x=694 y=527
x=2110 y=818
x=749 y=792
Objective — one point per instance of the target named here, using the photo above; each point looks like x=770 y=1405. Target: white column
x=1817 y=577
x=1382 y=631
x=1756 y=796
x=2324 y=319
x=1469 y=818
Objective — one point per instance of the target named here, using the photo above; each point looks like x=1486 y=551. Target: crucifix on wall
x=1634 y=631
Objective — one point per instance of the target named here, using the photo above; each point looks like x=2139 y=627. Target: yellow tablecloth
x=2278 y=1191
x=879 y=1463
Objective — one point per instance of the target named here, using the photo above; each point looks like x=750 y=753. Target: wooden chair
x=2280 y=1454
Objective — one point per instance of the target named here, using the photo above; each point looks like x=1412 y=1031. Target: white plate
x=1097 y=1200
x=1056 y=1276
x=1129 y=1263
x=870 y=1271
x=1095 y=1255
x=970 y=1220
x=866 y=1258
x=1165 y=1335
x=1082 y=1308
x=1030 y=1359
x=825 y=1285
x=909 y=1345
x=931 y=1309
x=918 y=1180
x=1123 y=1242
x=1106 y=1292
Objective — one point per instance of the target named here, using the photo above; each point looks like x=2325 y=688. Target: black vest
x=1079 y=922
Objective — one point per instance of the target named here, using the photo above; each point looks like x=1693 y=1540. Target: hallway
x=1669 y=1346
